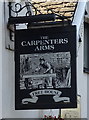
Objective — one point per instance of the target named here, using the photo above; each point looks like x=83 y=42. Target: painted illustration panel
x=45 y=68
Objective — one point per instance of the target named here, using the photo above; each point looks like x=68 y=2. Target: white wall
x=81 y=77
x=0 y=63
x=87 y=8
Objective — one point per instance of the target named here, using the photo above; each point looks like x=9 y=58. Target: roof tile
x=61 y=7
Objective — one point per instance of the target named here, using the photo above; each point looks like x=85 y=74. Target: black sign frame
x=55 y=46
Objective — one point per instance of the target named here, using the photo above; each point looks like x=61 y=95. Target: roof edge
x=79 y=14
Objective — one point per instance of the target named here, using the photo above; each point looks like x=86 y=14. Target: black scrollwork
x=18 y=8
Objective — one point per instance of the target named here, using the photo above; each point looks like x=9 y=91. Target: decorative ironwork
x=18 y=7
x=62 y=10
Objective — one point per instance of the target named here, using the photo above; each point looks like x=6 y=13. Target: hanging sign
x=45 y=68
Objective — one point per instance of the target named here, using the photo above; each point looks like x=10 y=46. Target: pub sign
x=45 y=68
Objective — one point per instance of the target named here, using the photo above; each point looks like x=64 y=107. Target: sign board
x=45 y=68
